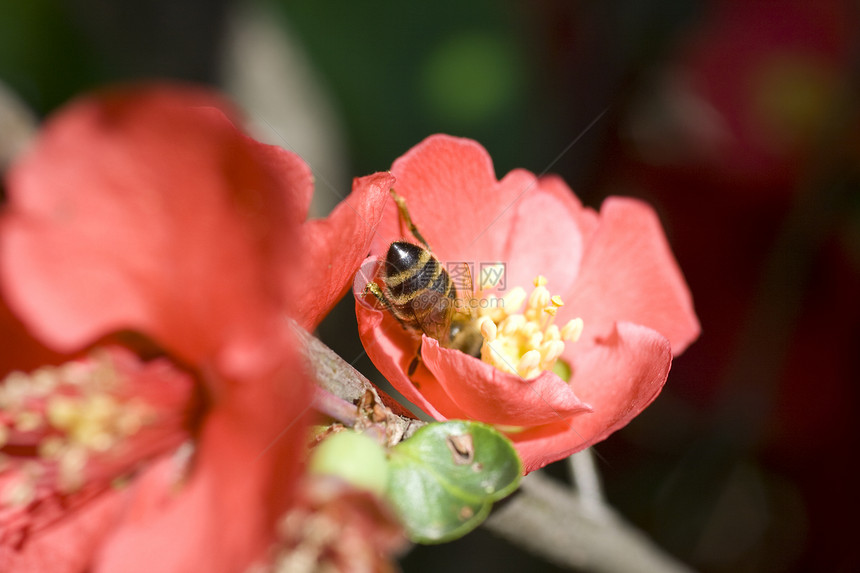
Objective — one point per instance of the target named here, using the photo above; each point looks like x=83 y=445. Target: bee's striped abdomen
x=421 y=292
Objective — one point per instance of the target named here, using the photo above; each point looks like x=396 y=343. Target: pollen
x=526 y=341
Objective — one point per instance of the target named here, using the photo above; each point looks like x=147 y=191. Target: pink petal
x=628 y=273
x=391 y=349
x=587 y=219
x=154 y=215
x=453 y=196
x=618 y=375
x=544 y=236
x=489 y=395
x=335 y=246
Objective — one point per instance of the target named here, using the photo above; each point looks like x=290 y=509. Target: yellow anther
x=529 y=328
x=528 y=364
x=28 y=421
x=4 y=435
x=492 y=353
x=545 y=347
x=76 y=373
x=62 y=411
x=43 y=381
x=50 y=447
x=512 y=324
x=100 y=441
x=572 y=330
x=14 y=389
x=70 y=467
x=132 y=418
x=539 y=298
x=19 y=492
x=488 y=328
x=525 y=342
x=553 y=353
x=513 y=301
x=100 y=408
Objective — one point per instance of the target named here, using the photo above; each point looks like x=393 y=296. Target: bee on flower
x=561 y=365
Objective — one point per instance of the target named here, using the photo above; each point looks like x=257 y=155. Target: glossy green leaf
x=444 y=479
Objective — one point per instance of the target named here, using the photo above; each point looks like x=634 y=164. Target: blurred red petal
x=156 y=215
x=69 y=545
x=334 y=247
x=223 y=518
x=68 y=523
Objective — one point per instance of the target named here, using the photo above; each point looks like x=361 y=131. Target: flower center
x=66 y=415
x=529 y=342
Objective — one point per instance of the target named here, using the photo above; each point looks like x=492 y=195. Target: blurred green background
x=737 y=120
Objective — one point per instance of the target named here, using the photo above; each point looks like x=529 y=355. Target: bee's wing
x=434 y=317
x=434 y=306
x=465 y=289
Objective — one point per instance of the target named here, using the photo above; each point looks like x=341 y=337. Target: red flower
x=147 y=211
x=335 y=246
x=613 y=270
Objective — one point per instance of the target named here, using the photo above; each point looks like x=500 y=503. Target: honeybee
x=419 y=293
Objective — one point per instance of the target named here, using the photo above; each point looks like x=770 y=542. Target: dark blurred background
x=738 y=120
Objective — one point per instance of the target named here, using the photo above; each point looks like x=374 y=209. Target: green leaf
x=444 y=479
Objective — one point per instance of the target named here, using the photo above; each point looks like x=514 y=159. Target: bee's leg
x=413 y=366
x=373 y=288
x=404 y=213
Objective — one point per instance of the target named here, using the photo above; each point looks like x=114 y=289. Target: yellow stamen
x=514 y=300
x=539 y=299
x=19 y=492
x=61 y=411
x=553 y=353
x=71 y=465
x=79 y=410
x=50 y=447
x=512 y=324
x=572 y=330
x=528 y=363
x=526 y=342
x=28 y=421
x=488 y=328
